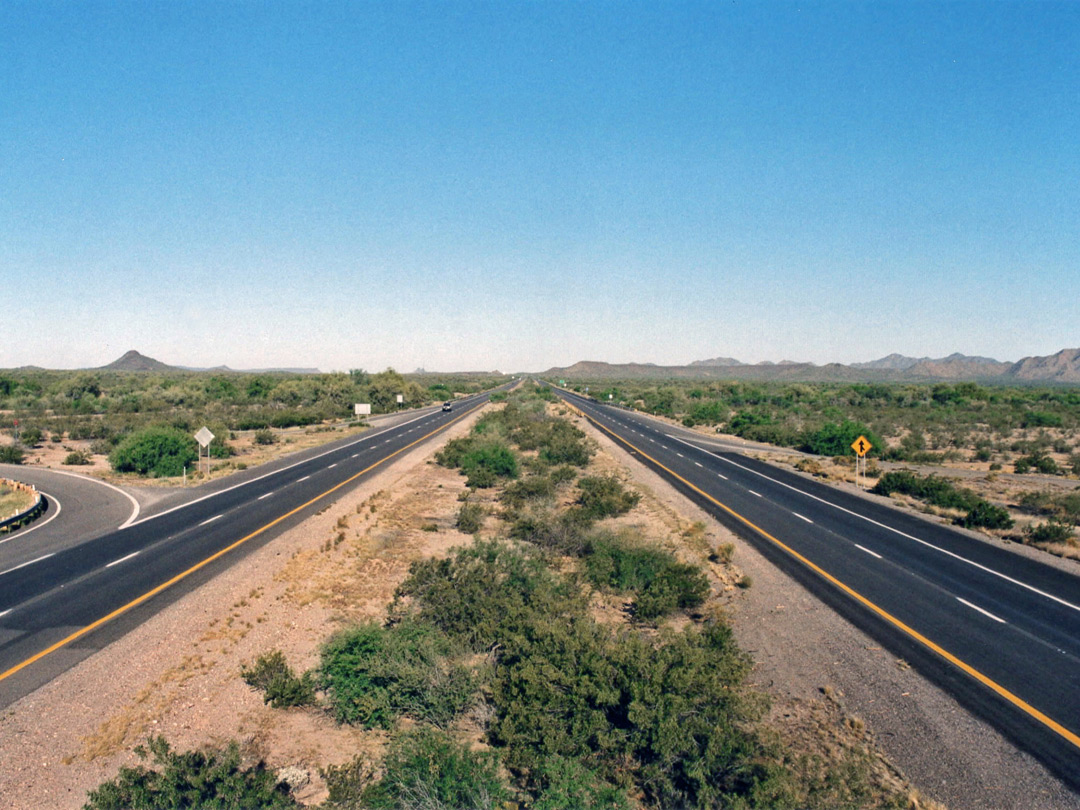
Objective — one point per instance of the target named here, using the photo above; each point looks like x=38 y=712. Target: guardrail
x=24 y=517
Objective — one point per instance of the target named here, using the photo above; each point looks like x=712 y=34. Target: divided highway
x=999 y=631
x=58 y=607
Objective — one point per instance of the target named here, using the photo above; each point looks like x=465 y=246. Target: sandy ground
x=178 y=674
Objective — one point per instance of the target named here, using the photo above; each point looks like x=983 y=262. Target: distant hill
x=719 y=361
x=133 y=361
x=1063 y=367
x=894 y=362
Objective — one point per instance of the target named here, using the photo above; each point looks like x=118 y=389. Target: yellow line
x=948 y=656
x=151 y=593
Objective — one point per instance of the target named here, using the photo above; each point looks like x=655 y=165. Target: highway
x=59 y=605
x=997 y=630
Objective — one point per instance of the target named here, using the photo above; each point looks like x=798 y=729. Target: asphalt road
x=61 y=606
x=999 y=631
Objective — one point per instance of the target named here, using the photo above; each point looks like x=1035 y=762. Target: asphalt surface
x=999 y=631
x=60 y=606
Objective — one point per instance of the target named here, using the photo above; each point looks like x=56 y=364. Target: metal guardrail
x=24 y=517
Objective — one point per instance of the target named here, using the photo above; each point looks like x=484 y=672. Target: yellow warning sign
x=861 y=446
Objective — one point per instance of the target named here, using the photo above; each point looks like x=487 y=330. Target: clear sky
x=516 y=185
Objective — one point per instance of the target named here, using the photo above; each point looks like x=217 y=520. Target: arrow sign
x=861 y=446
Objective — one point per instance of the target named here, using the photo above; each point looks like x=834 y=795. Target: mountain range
x=1063 y=367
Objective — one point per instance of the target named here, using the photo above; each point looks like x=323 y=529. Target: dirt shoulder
x=805 y=652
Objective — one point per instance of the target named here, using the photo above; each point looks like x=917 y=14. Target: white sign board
x=400 y=398
x=362 y=408
x=204 y=436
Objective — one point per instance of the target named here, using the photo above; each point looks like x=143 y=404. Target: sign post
x=204 y=437
x=861 y=446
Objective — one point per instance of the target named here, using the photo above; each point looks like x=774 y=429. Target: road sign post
x=204 y=437
x=861 y=447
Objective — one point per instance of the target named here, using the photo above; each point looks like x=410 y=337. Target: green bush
x=836 y=439
x=533 y=488
x=932 y=489
x=159 y=452
x=986 y=515
x=77 y=457
x=194 y=779
x=265 y=436
x=31 y=437
x=559 y=783
x=470 y=518
x=10 y=454
x=280 y=686
x=373 y=675
x=426 y=769
x=604 y=496
x=564 y=533
x=486 y=592
x=1053 y=531
x=661 y=583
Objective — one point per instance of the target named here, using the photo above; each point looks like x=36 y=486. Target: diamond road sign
x=861 y=445
x=204 y=436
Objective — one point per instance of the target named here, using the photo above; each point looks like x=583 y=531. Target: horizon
x=420 y=369
x=471 y=185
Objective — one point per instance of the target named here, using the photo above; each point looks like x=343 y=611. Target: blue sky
x=481 y=185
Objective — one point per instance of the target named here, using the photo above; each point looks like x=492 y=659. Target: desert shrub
x=563 y=474
x=219 y=448
x=563 y=533
x=1038 y=461
x=660 y=583
x=426 y=769
x=264 y=436
x=577 y=691
x=533 y=488
x=1040 y=419
x=193 y=779
x=604 y=496
x=373 y=675
x=470 y=518
x=1053 y=531
x=487 y=463
x=77 y=457
x=157 y=451
x=31 y=436
x=931 y=488
x=484 y=459
x=986 y=515
x=10 y=454
x=485 y=592
x=558 y=783
x=272 y=675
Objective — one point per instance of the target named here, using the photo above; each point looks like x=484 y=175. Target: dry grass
x=13 y=501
